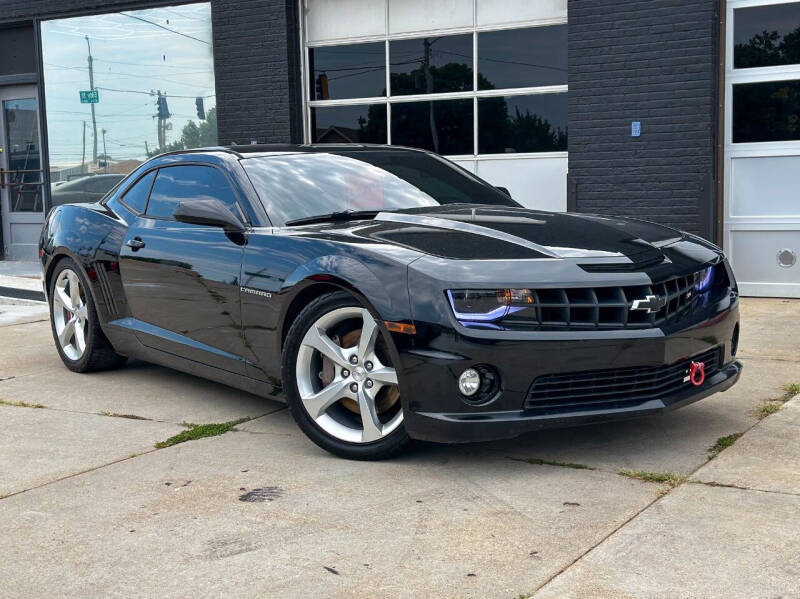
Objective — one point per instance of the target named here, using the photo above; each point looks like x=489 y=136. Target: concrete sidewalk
x=89 y=507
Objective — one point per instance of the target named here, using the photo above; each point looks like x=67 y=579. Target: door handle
x=135 y=244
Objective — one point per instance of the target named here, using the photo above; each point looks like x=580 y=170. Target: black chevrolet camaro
x=389 y=293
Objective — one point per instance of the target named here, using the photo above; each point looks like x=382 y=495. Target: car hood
x=507 y=233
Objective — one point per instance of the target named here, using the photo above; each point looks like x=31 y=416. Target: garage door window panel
x=349 y=124
x=766 y=112
x=351 y=71
x=444 y=127
x=437 y=64
x=514 y=124
x=530 y=57
x=177 y=184
x=766 y=36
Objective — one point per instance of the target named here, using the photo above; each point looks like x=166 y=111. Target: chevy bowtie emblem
x=651 y=303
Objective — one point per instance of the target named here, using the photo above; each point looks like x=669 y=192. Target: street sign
x=89 y=96
x=636 y=129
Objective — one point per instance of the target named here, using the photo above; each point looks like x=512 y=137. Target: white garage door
x=762 y=189
x=483 y=82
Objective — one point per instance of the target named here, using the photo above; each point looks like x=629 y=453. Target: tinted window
x=299 y=185
x=766 y=111
x=177 y=184
x=522 y=57
x=346 y=124
x=354 y=71
x=431 y=65
x=766 y=35
x=444 y=126
x=136 y=196
x=535 y=123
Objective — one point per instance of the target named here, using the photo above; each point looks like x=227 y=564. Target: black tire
x=99 y=353
x=391 y=445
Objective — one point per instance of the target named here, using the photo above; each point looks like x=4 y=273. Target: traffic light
x=163 y=110
x=201 y=112
x=322 y=87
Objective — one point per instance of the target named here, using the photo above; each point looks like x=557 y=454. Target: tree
x=195 y=136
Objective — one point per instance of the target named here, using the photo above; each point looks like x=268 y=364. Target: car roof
x=246 y=151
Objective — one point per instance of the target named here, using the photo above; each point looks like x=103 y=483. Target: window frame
x=237 y=196
x=389 y=99
x=770 y=74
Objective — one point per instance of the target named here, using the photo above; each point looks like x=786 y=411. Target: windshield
x=295 y=186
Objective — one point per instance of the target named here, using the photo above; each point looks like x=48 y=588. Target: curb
x=25 y=294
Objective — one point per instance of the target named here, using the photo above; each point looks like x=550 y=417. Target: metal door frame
x=9 y=218
x=764 y=223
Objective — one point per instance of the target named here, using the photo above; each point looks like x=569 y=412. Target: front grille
x=619 y=387
x=608 y=307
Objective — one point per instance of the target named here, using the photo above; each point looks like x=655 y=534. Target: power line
x=191 y=37
x=147 y=93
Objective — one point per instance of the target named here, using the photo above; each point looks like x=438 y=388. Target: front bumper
x=434 y=410
x=486 y=426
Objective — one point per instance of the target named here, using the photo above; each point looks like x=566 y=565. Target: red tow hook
x=697 y=373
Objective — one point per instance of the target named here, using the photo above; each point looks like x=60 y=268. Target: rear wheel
x=80 y=341
x=340 y=381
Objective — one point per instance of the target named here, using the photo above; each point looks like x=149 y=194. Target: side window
x=176 y=184
x=136 y=196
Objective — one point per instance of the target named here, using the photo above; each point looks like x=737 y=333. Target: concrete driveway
x=90 y=508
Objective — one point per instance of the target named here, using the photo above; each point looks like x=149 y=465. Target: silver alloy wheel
x=70 y=315
x=352 y=380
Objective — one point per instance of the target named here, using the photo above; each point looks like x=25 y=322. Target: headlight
x=487 y=305
x=704 y=279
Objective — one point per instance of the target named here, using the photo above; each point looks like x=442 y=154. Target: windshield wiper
x=333 y=216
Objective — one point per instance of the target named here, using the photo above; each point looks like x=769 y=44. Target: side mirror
x=209 y=212
x=503 y=189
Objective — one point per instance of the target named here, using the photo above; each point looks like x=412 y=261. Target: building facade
x=685 y=112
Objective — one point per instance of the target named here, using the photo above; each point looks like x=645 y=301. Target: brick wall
x=256 y=60
x=652 y=61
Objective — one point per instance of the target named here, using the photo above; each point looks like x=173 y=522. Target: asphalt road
x=90 y=508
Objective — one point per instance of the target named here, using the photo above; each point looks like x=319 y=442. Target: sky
x=134 y=52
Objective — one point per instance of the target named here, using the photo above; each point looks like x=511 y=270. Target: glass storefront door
x=21 y=189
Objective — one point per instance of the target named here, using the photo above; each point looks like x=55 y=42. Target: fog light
x=469 y=382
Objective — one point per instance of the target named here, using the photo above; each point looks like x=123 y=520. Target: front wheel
x=341 y=386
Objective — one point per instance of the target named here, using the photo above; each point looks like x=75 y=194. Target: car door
x=181 y=280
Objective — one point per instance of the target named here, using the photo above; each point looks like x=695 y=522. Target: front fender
x=389 y=297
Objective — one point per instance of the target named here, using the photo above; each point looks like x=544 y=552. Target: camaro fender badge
x=252 y=291
x=651 y=303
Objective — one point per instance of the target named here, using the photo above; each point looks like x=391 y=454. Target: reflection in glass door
x=21 y=190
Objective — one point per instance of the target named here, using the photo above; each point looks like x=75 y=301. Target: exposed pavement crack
x=74 y=474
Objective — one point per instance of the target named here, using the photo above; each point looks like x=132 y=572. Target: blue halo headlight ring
x=496 y=314
x=705 y=279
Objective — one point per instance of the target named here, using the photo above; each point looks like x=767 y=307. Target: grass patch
x=540 y=462
x=767 y=409
x=722 y=443
x=129 y=416
x=199 y=431
x=770 y=406
x=21 y=404
x=790 y=390
x=667 y=478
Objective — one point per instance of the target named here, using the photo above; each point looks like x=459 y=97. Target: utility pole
x=91 y=86
x=83 y=156
x=146 y=149
x=426 y=68
x=105 y=154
